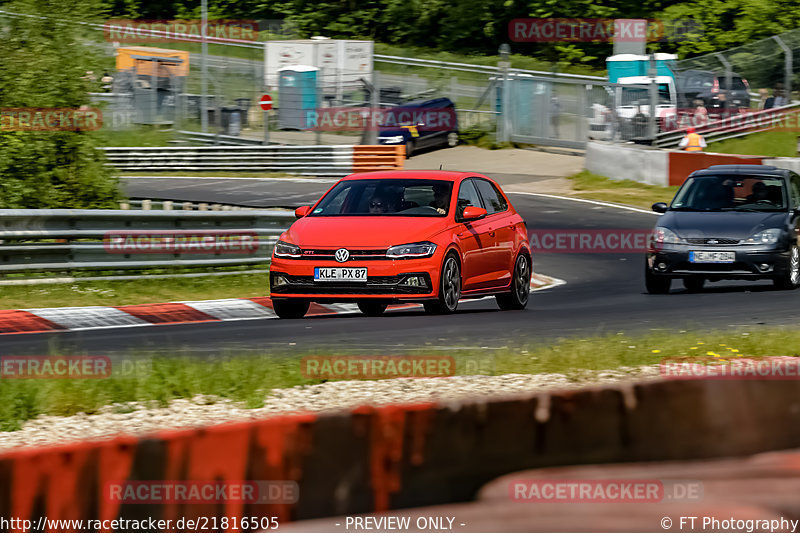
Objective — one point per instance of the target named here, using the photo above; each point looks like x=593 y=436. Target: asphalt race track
x=604 y=294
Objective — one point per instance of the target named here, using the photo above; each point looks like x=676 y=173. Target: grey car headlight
x=767 y=236
x=414 y=250
x=662 y=235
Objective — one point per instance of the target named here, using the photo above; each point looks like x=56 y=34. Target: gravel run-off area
x=140 y=418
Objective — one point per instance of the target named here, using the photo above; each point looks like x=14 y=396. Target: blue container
x=297 y=96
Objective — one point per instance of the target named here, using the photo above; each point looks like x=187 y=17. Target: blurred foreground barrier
x=63 y=240
x=393 y=457
x=338 y=160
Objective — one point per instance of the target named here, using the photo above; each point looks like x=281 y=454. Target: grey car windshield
x=731 y=193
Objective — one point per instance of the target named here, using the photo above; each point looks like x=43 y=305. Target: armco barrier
x=392 y=457
x=338 y=160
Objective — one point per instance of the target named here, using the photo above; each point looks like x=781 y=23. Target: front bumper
x=751 y=262
x=386 y=279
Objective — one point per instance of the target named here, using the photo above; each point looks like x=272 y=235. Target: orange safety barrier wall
x=681 y=164
x=392 y=457
x=369 y=158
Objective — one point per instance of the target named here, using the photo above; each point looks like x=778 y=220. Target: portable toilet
x=665 y=64
x=297 y=96
x=626 y=65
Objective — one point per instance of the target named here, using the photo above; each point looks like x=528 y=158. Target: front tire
x=290 y=309
x=517 y=298
x=791 y=277
x=449 y=288
x=656 y=284
x=372 y=308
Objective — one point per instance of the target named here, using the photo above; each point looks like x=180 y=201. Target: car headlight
x=393 y=139
x=411 y=251
x=284 y=249
x=767 y=236
x=663 y=235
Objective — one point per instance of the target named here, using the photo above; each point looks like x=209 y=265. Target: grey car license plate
x=712 y=257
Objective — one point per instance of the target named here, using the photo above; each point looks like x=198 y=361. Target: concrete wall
x=374 y=459
x=627 y=162
x=791 y=163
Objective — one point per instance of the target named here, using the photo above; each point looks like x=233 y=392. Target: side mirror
x=660 y=207
x=302 y=211
x=473 y=213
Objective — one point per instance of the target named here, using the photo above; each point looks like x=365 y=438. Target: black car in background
x=712 y=89
x=420 y=124
x=728 y=222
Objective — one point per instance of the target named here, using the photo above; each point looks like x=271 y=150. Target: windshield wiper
x=749 y=209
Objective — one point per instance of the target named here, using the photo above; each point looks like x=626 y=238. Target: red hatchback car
x=379 y=238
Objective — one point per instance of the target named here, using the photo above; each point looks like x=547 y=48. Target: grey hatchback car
x=728 y=222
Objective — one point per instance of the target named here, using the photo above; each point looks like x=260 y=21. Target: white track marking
x=232 y=309
x=584 y=200
x=94 y=317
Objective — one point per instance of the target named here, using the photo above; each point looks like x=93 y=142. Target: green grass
x=768 y=143
x=588 y=185
x=82 y=293
x=220 y=174
x=141 y=136
x=248 y=379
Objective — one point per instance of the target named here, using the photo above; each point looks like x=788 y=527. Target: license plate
x=712 y=257
x=340 y=274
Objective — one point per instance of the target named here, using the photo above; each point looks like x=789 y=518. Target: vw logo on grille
x=342 y=255
x=713 y=241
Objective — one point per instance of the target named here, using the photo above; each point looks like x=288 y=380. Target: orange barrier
x=369 y=158
x=681 y=164
x=378 y=458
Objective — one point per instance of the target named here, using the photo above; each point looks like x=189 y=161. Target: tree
x=42 y=65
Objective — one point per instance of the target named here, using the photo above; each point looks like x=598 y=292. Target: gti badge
x=342 y=255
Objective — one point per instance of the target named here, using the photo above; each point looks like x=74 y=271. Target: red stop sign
x=265 y=102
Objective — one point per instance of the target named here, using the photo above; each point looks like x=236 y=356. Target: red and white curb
x=127 y=316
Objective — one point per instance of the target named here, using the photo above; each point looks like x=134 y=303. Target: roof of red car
x=412 y=174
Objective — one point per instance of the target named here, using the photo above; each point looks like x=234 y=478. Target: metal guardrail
x=335 y=160
x=218 y=139
x=471 y=67
x=67 y=240
x=731 y=127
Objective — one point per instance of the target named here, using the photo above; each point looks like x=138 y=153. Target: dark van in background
x=418 y=134
x=712 y=90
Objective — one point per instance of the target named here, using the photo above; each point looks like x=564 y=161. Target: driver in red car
x=441 y=198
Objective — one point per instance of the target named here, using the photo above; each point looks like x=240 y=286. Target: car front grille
x=713 y=241
x=355 y=255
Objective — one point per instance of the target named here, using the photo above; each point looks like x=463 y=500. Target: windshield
x=731 y=193
x=395 y=197
x=641 y=95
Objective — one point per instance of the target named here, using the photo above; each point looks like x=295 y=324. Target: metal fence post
x=787 y=65
x=504 y=64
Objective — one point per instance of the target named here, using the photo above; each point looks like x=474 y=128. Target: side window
x=795 y=190
x=492 y=198
x=467 y=196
